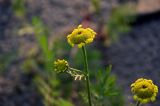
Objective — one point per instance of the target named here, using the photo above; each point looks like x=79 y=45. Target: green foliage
x=96 y=5
x=61 y=47
x=41 y=64
x=94 y=58
x=62 y=102
x=41 y=34
x=5 y=60
x=47 y=83
x=19 y=7
x=49 y=92
x=119 y=21
x=105 y=90
x=28 y=65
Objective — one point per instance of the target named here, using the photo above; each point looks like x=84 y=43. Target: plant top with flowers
x=81 y=36
x=144 y=90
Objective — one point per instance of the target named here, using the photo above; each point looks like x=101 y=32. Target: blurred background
x=33 y=35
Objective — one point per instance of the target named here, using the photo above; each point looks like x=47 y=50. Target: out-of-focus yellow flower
x=60 y=66
x=81 y=36
x=144 y=90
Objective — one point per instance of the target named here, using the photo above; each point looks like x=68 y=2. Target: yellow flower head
x=60 y=66
x=144 y=90
x=81 y=36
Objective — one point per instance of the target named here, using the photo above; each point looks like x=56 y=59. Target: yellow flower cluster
x=81 y=36
x=144 y=90
x=63 y=66
x=60 y=66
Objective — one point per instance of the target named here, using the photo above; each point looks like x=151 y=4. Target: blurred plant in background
x=19 y=8
x=45 y=79
x=119 y=21
x=41 y=64
x=96 y=5
x=52 y=97
x=6 y=60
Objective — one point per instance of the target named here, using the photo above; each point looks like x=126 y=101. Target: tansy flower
x=60 y=66
x=144 y=90
x=81 y=36
x=63 y=66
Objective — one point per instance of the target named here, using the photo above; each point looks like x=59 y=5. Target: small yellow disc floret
x=60 y=65
x=144 y=90
x=81 y=36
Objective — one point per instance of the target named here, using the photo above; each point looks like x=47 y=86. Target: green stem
x=87 y=75
x=73 y=69
x=138 y=103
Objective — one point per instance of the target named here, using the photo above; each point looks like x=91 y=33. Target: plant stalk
x=87 y=75
x=138 y=103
